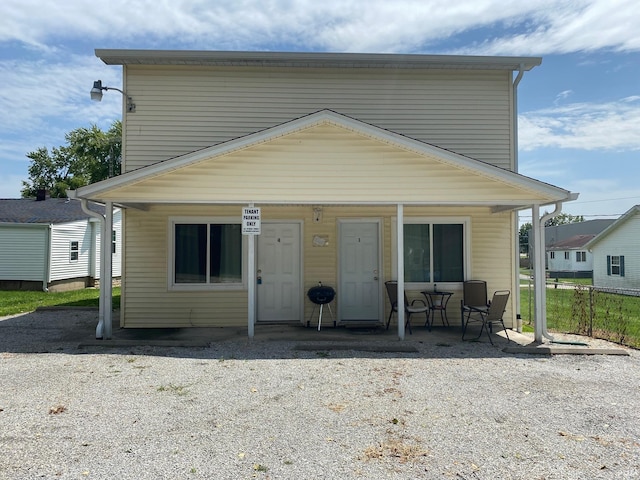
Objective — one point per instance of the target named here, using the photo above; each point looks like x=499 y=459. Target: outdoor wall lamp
x=96 y=94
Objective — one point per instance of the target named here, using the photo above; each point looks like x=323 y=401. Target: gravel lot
x=269 y=410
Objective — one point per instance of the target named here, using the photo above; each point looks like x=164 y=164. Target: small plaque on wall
x=320 y=240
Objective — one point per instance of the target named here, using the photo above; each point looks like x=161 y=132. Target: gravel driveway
x=269 y=410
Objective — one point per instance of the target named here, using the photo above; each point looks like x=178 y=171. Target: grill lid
x=321 y=294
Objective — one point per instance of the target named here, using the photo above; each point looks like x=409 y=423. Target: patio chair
x=409 y=309
x=487 y=316
x=474 y=295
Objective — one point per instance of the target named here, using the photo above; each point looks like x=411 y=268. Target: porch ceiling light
x=96 y=94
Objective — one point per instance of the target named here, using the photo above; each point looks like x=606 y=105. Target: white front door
x=359 y=290
x=279 y=287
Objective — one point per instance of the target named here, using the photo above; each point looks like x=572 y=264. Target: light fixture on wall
x=96 y=94
x=317 y=214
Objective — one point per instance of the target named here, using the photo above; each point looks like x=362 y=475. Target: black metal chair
x=474 y=295
x=487 y=316
x=409 y=309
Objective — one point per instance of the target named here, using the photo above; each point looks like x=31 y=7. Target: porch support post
x=539 y=280
x=251 y=290
x=106 y=280
x=400 y=263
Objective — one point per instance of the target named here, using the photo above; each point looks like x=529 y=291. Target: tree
x=563 y=219
x=89 y=156
x=525 y=228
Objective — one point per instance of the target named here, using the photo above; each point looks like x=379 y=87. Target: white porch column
x=251 y=290
x=400 y=263
x=539 y=279
x=106 y=275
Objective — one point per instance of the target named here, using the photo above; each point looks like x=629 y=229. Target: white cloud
x=574 y=27
x=551 y=26
x=613 y=126
x=36 y=91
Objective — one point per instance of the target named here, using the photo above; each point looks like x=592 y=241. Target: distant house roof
x=51 y=210
x=577 y=241
x=633 y=211
x=557 y=233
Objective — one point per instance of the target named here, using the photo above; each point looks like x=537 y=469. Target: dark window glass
x=446 y=249
x=191 y=253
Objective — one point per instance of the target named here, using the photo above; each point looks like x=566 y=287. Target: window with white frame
x=566 y=255
x=206 y=254
x=74 y=250
x=113 y=242
x=581 y=256
x=552 y=255
x=434 y=251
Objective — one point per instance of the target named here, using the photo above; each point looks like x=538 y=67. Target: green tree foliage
x=563 y=219
x=90 y=155
x=525 y=228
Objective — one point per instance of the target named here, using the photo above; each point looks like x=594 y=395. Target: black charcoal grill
x=321 y=295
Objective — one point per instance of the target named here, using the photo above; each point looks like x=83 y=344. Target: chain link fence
x=605 y=313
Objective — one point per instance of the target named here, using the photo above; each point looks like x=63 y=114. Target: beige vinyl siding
x=491 y=235
x=147 y=301
x=322 y=162
x=23 y=252
x=185 y=108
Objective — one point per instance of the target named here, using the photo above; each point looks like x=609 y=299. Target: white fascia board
x=313 y=59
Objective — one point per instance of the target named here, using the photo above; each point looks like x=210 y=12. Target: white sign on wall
x=251 y=220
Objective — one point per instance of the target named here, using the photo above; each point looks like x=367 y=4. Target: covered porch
x=317 y=174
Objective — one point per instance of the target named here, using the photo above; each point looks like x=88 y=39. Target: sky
x=579 y=112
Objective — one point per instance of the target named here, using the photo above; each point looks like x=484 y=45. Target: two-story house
x=361 y=168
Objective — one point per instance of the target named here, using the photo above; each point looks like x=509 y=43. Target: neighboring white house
x=569 y=258
x=616 y=253
x=51 y=244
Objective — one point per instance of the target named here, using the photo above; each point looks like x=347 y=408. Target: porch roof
x=325 y=158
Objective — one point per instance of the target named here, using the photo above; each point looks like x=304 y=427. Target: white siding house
x=569 y=258
x=50 y=245
x=616 y=253
x=336 y=151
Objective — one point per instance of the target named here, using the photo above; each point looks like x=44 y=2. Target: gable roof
x=625 y=217
x=314 y=59
x=577 y=241
x=319 y=147
x=51 y=210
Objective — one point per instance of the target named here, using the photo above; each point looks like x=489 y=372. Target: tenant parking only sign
x=250 y=220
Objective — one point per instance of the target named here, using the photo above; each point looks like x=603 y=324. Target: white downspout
x=47 y=264
x=400 y=263
x=539 y=277
x=516 y=266
x=103 y=300
x=106 y=276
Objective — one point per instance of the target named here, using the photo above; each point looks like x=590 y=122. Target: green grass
x=602 y=315
x=14 y=302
